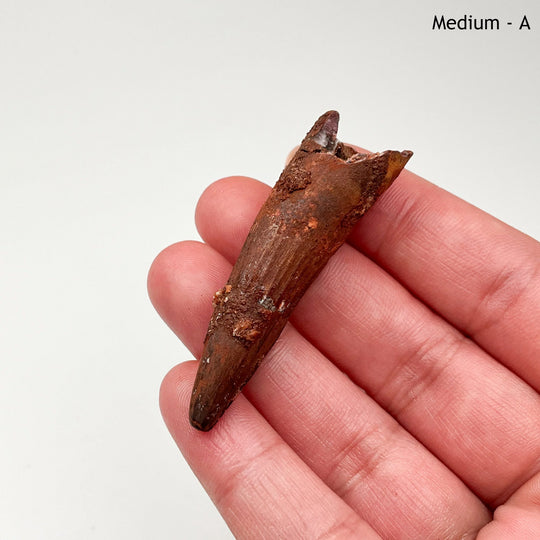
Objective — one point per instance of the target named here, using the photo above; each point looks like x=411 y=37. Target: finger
x=180 y=268
x=519 y=517
x=480 y=274
x=434 y=381
x=260 y=486
x=468 y=409
x=235 y=202
x=356 y=448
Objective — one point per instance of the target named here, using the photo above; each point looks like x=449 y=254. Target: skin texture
x=401 y=400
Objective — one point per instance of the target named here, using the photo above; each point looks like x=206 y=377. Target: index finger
x=480 y=274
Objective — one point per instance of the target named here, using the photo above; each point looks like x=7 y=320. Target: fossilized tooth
x=323 y=191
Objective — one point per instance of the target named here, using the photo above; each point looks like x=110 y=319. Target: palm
x=401 y=402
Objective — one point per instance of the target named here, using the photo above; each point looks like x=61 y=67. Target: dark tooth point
x=201 y=424
x=323 y=133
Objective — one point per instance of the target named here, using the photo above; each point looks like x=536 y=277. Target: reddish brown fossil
x=318 y=198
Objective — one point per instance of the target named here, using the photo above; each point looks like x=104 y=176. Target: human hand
x=402 y=401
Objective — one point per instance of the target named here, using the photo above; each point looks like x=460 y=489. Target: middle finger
x=342 y=434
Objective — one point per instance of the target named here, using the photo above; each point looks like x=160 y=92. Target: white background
x=114 y=117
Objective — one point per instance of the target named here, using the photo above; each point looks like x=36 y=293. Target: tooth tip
x=200 y=426
x=331 y=117
x=328 y=123
x=324 y=131
x=200 y=419
x=206 y=408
